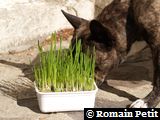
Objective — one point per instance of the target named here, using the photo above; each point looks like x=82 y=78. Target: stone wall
x=23 y=22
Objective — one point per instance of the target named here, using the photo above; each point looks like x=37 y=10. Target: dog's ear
x=100 y=33
x=74 y=20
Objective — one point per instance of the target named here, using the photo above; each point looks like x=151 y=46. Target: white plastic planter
x=66 y=101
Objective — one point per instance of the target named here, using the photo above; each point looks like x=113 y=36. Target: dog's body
x=113 y=32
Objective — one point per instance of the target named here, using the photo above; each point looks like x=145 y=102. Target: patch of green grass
x=59 y=70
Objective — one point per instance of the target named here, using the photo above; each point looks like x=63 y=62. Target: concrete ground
x=132 y=80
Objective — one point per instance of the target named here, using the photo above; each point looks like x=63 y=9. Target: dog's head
x=94 y=35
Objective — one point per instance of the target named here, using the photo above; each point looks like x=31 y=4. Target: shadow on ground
x=23 y=92
x=121 y=93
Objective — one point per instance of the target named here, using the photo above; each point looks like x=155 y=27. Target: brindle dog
x=114 y=31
